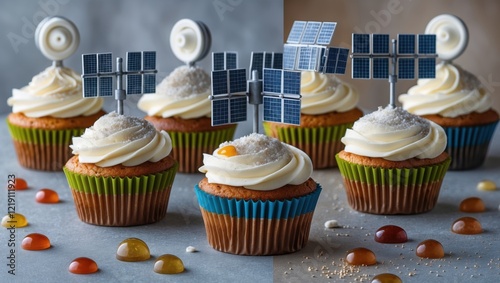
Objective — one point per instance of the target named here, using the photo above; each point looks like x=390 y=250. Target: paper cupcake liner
x=113 y=201
x=40 y=149
x=248 y=227
x=188 y=148
x=392 y=191
x=468 y=146
x=321 y=144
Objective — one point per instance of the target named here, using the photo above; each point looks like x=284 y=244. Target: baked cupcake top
x=257 y=162
x=55 y=92
x=183 y=93
x=452 y=93
x=324 y=93
x=117 y=139
x=396 y=135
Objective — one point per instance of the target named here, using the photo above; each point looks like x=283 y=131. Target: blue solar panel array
x=229 y=110
x=281 y=96
x=282 y=110
x=224 y=61
x=261 y=60
x=93 y=84
x=141 y=67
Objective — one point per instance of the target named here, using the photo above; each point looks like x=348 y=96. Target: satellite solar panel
x=237 y=81
x=380 y=68
x=149 y=84
x=406 y=43
x=360 y=43
x=134 y=61
x=134 y=84
x=105 y=62
x=291 y=111
x=406 y=68
x=295 y=34
x=219 y=82
x=268 y=60
x=272 y=81
x=90 y=87
x=89 y=63
x=272 y=109
x=231 y=60
x=256 y=63
x=342 y=61
x=427 y=44
x=361 y=68
x=149 y=60
x=380 y=44
x=426 y=68
x=238 y=108
x=330 y=63
x=289 y=56
x=105 y=86
x=278 y=61
x=310 y=33
x=326 y=33
x=218 y=59
x=220 y=112
x=305 y=58
x=291 y=82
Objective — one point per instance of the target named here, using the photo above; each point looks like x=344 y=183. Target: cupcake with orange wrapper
x=122 y=172
x=393 y=162
x=328 y=108
x=257 y=197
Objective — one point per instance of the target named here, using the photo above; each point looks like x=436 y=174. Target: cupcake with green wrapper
x=121 y=173
x=393 y=162
x=257 y=197
x=328 y=109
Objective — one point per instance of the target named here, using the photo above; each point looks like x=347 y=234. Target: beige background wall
x=482 y=17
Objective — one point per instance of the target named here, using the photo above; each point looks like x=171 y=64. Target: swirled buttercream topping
x=184 y=93
x=56 y=92
x=396 y=135
x=324 y=93
x=452 y=93
x=257 y=162
x=117 y=139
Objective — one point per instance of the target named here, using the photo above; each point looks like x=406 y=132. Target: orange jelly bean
x=83 y=265
x=16 y=220
x=361 y=256
x=20 y=184
x=386 y=278
x=35 y=242
x=168 y=264
x=430 y=249
x=132 y=249
x=467 y=226
x=472 y=204
x=228 y=151
x=47 y=196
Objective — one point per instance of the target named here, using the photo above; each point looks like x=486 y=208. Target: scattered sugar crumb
x=191 y=249
x=331 y=224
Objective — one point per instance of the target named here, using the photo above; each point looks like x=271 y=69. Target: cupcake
x=328 y=108
x=46 y=114
x=393 y=162
x=257 y=197
x=456 y=100
x=181 y=107
x=122 y=173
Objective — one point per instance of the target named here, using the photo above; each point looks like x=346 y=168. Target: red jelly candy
x=391 y=234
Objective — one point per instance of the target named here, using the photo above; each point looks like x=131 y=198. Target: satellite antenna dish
x=371 y=58
x=452 y=36
x=190 y=41
x=57 y=38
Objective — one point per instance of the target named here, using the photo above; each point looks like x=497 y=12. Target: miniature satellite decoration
x=190 y=41
x=98 y=75
x=57 y=38
x=452 y=36
x=372 y=57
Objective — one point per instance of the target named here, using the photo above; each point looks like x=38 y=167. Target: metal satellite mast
x=98 y=75
x=57 y=38
x=371 y=55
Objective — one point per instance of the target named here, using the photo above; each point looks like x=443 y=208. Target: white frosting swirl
x=396 y=135
x=184 y=93
x=56 y=92
x=452 y=93
x=262 y=163
x=324 y=93
x=117 y=139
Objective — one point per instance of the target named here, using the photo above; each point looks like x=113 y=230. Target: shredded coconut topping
x=389 y=118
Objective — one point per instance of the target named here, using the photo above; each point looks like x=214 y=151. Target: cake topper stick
x=57 y=38
x=370 y=58
x=190 y=41
x=452 y=36
x=98 y=75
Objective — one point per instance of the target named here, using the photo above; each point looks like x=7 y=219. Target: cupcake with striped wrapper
x=257 y=197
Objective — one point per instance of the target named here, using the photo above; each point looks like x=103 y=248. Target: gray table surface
x=466 y=258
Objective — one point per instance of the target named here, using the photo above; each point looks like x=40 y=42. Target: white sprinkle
x=331 y=224
x=191 y=249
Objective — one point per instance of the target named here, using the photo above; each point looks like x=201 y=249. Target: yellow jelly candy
x=168 y=264
x=228 y=151
x=132 y=249
x=14 y=220
x=486 y=185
